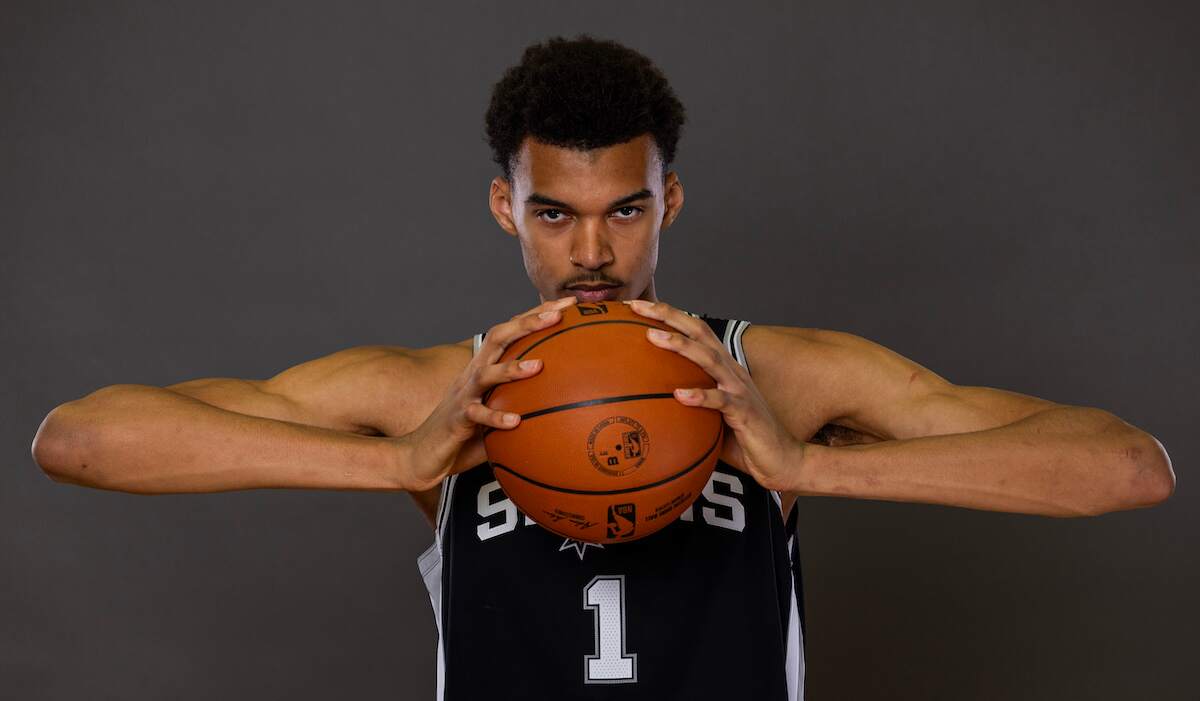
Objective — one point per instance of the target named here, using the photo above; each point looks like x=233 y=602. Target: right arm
x=317 y=425
x=367 y=418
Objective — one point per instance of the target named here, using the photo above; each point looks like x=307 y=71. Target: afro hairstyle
x=582 y=93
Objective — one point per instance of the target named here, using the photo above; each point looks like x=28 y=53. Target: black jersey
x=710 y=607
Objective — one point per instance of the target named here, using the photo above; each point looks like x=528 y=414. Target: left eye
x=628 y=212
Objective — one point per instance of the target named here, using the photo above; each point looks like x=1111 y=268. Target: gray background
x=1005 y=193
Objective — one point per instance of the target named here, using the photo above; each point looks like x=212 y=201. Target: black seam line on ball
x=583 y=325
x=604 y=492
x=488 y=394
x=589 y=402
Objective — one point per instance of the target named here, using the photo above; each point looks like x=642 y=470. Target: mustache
x=593 y=280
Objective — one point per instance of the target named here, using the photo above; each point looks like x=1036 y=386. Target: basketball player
x=583 y=132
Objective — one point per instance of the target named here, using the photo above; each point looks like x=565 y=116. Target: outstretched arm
x=313 y=425
x=975 y=447
x=366 y=418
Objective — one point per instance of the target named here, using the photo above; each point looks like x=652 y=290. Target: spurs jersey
x=709 y=607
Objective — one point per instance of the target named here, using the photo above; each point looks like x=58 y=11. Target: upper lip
x=601 y=286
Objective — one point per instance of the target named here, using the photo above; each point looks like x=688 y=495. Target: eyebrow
x=535 y=198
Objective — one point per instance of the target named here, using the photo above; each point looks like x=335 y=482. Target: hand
x=759 y=444
x=449 y=440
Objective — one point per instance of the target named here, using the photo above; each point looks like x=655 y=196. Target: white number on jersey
x=611 y=664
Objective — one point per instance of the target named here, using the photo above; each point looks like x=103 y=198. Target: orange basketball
x=604 y=452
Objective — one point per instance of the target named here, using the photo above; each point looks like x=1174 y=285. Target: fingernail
x=510 y=418
x=528 y=364
x=659 y=334
x=547 y=315
x=686 y=393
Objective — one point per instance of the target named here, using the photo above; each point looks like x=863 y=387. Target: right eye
x=551 y=216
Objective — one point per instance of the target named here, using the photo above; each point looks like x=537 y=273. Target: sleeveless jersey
x=710 y=607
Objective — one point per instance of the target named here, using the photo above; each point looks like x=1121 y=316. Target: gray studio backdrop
x=1004 y=193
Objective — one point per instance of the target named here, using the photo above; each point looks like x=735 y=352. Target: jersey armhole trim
x=442 y=517
x=736 y=342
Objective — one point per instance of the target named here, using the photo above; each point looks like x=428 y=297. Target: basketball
x=604 y=452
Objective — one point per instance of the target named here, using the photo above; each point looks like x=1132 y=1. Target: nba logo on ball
x=617 y=445
x=621 y=520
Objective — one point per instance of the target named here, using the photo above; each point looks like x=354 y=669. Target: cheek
x=654 y=255
x=646 y=257
x=539 y=262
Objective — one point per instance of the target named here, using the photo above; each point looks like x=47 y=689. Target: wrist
x=398 y=463
x=803 y=465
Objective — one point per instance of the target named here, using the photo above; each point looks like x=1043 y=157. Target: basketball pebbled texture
x=604 y=452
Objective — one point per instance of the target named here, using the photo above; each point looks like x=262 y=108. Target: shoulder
x=773 y=344
x=772 y=348
x=792 y=363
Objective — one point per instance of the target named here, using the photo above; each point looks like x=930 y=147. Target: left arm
x=974 y=447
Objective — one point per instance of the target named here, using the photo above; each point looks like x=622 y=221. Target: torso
x=529 y=614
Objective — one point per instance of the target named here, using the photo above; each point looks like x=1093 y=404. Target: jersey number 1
x=605 y=595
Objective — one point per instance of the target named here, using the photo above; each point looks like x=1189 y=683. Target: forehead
x=574 y=175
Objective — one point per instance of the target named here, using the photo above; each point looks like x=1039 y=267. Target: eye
x=551 y=216
x=628 y=211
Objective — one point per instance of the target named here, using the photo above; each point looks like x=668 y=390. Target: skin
x=825 y=413
x=826 y=391
x=588 y=216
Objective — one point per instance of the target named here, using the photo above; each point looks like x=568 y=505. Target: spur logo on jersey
x=618 y=445
x=719 y=505
x=586 y=309
x=622 y=520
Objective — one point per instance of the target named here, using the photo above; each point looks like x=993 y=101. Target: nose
x=589 y=247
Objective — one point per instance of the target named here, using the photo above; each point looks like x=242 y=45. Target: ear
x=500 y=202
x=672 y=199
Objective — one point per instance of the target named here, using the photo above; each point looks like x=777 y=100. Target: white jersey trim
x=795 y=651
x=430 y=561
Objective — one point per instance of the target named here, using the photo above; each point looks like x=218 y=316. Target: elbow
x=1148 y=478
x=58 y=446
x=1154 y=472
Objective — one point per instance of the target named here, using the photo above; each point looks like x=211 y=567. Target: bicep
x=356 y=390
x=883 y=393
x=838 y=389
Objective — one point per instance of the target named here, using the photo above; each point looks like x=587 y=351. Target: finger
x=678 y=319
x=501 y=336
x=498 y=373
x=560 y=303
x=708 y=398
x=486 y=416
x=712 y=360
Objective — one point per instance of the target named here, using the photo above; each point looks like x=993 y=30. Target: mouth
x=594 y=293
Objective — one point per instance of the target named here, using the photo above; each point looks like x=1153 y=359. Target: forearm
x=1066 y=461
x=145 y=439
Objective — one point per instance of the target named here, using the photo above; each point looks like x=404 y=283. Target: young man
x=710 y=607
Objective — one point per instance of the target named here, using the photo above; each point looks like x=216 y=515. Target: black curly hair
x=582 y=93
